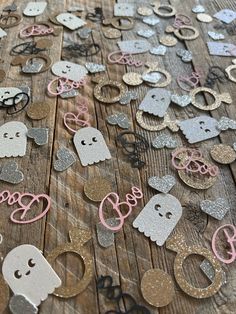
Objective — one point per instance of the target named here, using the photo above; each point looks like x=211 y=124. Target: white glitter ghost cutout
x=91 y=146
x=69 y=70
x=13 y=139
x=134 y=46
x=9 y=92
x=70 y=21
x=123 y=9
x=28 y=273
x=156 y=102
x=35 y=8
x=159 y=217
x=199 y=129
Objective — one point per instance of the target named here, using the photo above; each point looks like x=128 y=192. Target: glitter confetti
x=145 y=11
x=225 y=124
x=39 y=135
x=164 y=140
x=159 y=51
x=34 y=67
x=223 y=154
x=205 y=18
x=151 y=20
x=84 y=33
x=168 y=40
x=128 y=97
x=95 y=67
x=181 y=101
x=70 y=94
x=66 y=158
x=10 y=173
x=209 y=271
x=38 y=111
x=119 y=119
x=132 y=79
x=146 y=33
x=216 y=36
x=152 y=77
x=19 y=304
x=104 y=235
x=186 y=55
x=163 y=185
x=198 y=9
x=216 y=209
x=91 y=188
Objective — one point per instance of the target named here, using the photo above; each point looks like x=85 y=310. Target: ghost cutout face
x=35 y=8
x=91 y=146
x=156 y=102
x=123 y=9
x=13 y=139
x=226 y=15
x=69 y=70
x=159 y=217
x=9 y=92
x=70 y=21
x=199 y=129
x=28 y=273
x=134 y=46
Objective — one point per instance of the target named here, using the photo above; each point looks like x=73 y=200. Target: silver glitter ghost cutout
x=226 y=15
x=156 y=102
x=159 y=217
x=10 y=173
x=134 y=46
x=221 y=49
x=163 y=185
x=199 y=129
x=124 y=9
x=91 y=146
x=66 y=158
x=217 y=209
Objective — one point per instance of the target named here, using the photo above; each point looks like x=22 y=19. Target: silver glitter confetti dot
x=151 y=20
x=198 y=9
x=66 y=159
x=119 y=119
x=84 y=33
x=216 y=36
x=19 y=304
x=164 y=140
x=106 y=236
x=39 y=135
x=209 y=271
x=164 y=184
x=186 y=55
x=34 y=67
x=225 y=123
x=95 y=67
x=146 y=33
x=217 y=209
x=159 y=51
x=181 y=101
x=126 y=99
x=11 y=174
x=70 y=94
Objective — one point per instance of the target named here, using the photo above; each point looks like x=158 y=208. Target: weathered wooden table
x=133 y=254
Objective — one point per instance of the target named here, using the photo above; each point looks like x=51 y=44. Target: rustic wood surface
x=133 y=254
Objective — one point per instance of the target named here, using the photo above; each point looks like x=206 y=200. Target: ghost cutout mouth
x=91 y=146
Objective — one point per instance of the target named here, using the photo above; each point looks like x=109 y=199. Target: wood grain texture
x=133 y=254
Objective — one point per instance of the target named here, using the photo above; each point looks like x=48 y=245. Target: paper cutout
x=123 y=9
x=221 y=49
x=69 y=70
x=104 y=235
x=152 y=77
x=117 y=22
x=154 y=68
x=199 y=129
x=63 y=86
x=215 y=74
x=230 y=239
x=216 y=36
x=95 y=194
x=186 y=55
x=181 y=20
x=41 y=29
x=10 y=173
x=78 y=238
x=188 y=82
x=131 y=200
x=151 y=20
x=226 y=16
x=159 y=217
x=216 y=209
x=20 y=304
x=156 y=102
x=84 y=33
x=71 y=21
x=119 y=57
x=13 y=139
x=134 y=46
x=229 y=71
x=23 y=267
x=168 y=40
x=4 y=294
x=91 y=146
x=223 y=154
x=2 y=33
x=10 y=20
x=66 y=158
x=163 y=185
x=205 y=18
x=144 y=11
x=146 y=33
x=177 y=244
x=10 y=8
x=95 y=67
x=198 y=9
x=209 y=271
x=157 y=287
x=164 y=140
x=119 y=119
x=111 y=33
x=166 y=123
x=35 y=8
x=179 y=31
x=181 y=101
x=7 y=93
x=159 y=51
x=164 y=10
x=38 y=111
x=128 y=97
x=29 y=65
x=225 y=123
x=39 y=135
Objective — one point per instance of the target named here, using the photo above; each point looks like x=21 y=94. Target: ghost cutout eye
x=201 y=122
x=168 y=215
x=207 y=130
x=94 y=139
x=5 y=135
x=157 y=207
x=31 y=263
x=17 y=274
x=83 y=142
x=17 y=134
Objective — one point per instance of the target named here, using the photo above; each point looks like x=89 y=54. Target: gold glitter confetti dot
x=205 y=18
x=132 y=79
x=223 y=154
x=144 y=11
x=111 y=33
x=38 y=111
x=168 y=40
x=97 y=188
x=157 y=287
